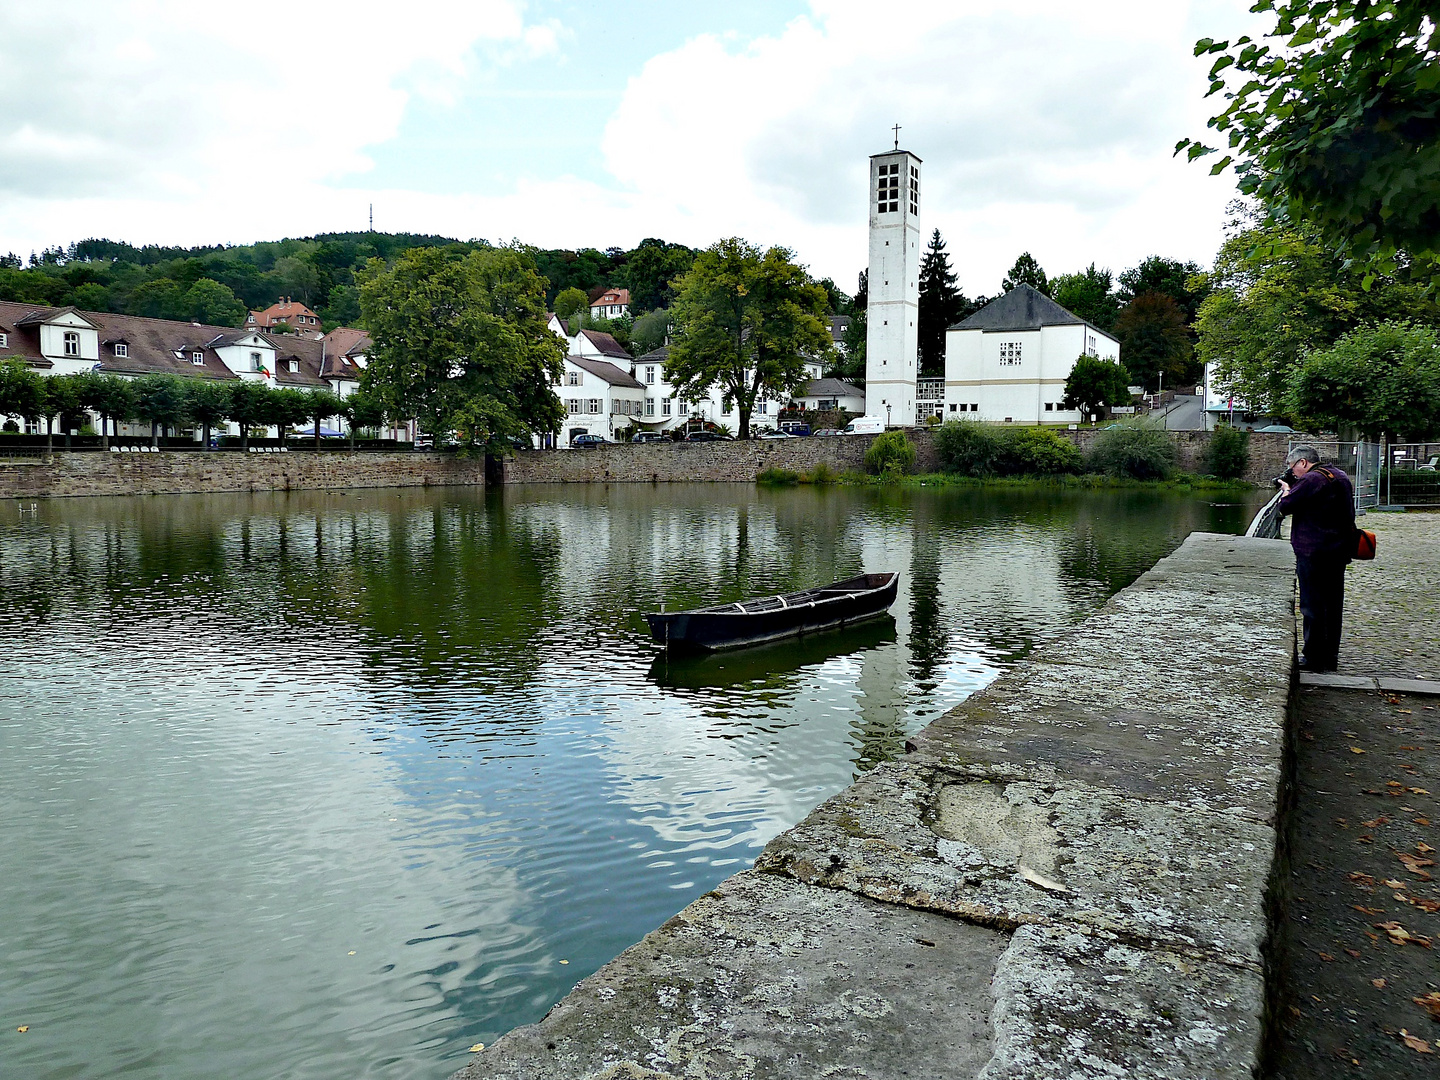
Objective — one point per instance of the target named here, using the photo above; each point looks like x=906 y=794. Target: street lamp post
x=887 y=414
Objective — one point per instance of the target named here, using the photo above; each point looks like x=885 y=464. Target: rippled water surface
x=329 y=785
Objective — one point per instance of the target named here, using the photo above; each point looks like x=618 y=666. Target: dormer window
x=256 y=362
x=197 y=358
x=72 y=343
x=294 y=365
x=4 y=341
x=121 y=349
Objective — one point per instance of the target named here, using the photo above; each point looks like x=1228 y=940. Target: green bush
x=822 y=473
x=890 y=448
x=1139 y=449
x=777 y=476
x=1036 y=451
x=968 y=447
x=1228 y=455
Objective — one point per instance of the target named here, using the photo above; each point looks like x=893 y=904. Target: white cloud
x=1048 y=129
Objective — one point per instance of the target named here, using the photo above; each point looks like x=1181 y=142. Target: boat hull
x=846 y=603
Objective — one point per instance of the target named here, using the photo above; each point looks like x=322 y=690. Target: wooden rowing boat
x=770 y=618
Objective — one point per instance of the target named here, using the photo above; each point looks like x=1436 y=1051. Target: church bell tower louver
x=893 y=309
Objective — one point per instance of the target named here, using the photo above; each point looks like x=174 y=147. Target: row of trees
x=170 y=401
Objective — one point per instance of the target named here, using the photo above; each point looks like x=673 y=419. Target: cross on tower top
x=897 y=136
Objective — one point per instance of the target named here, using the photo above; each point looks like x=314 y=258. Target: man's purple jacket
x=1323 y=507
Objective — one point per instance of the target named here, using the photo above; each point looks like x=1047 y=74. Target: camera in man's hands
x=1287 y=477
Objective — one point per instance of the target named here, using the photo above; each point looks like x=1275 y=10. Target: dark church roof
x=1022 y=308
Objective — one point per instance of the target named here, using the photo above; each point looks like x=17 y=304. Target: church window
x=1010 y=354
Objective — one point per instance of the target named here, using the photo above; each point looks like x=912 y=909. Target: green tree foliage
x=362 y=410
x=968 y=447
x=1139 y=449
x=1036 y=451
x=342 y=307
x=320 y=405
x=63 y=398
x=1331 y=120
x=207 y=402
x=570 y=301
x=211 y=303
x=1228 y=453
x=1026 y=271
x=745 y=321
x=650 y=331
x=110 y=396
x=1183 y=282
x=940 y=305
x=22 y=391
x=461 y=344
x=248 y=406
x=1277 y=294
x=159 y=402
x=1089 y=294
x=1095 y=384
x=849 y=361
x=1382 y=379
x=650 y=272
x=1155 y=340
x=890 y=454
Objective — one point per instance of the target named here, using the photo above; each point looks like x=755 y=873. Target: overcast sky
x=1045 y=127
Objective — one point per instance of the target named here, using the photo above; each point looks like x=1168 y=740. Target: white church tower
x=891 y=339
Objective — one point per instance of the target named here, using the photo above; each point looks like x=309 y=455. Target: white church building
x=1009 y=361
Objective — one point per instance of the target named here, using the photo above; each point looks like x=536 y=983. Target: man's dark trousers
x=1322 y=603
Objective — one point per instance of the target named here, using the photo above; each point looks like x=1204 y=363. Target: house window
x=574 y=378
x=1049 y=406
x=72 y=343
x=649 y=406
x=4 y=341
x=665 y=404
x=121 y=349
x=294 y=365
x=595 y=405
x=197 y=358
x=684 y=408
x=572 y=405
x=649 y=374
x=974 y=407
x=1009 y=353
x=1090 y=345
x=953 y=408
x=762 y=407
x=255 y=362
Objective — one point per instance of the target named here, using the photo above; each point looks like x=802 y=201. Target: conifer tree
x=941 y=304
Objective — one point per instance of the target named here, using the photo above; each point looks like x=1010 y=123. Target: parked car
x=775 y=435
x=581 y=442
x=828 y=432
x=649 y=436
x=706 y=436
x=795 y=427
x=865 y=425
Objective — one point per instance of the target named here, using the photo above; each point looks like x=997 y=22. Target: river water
x=323 y=785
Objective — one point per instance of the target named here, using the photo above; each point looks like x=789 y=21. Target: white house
x=827 y=395
x=610 y=304
x=1009 y=361
x=599 y=398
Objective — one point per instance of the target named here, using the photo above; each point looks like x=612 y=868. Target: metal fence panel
x=1361 y=462
x=1412 y=474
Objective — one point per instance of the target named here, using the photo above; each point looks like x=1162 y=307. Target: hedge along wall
x=98 y=473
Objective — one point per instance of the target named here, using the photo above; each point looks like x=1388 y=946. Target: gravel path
x=1392 y=605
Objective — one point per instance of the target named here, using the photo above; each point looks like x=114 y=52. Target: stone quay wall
x=743 y=461
x=177 y=472
x=174 y=472
x=1069 y=875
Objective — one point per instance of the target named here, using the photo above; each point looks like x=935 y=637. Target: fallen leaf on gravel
x=1419 y=1045
x=1411 y=748
x=1381 y=820
x=1425 y=904
x=1391 y=883
x=1417 y=791
x=1400 y=936
x=1362 y=879
x=1379 y=984
x=1356 y=750
x=1422 y=821
x=1325 y=956
x=1368 y=910
x=1393 y=783
x=1430 y=1003
x=1424 y=848
x=1413 y=863
x=1391 y=699
x=1353 y=953
x=1366 y=839
x=1404 y=711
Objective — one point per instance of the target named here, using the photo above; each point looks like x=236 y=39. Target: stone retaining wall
x=170 y=473
x=1066 y=876
x=742 y=461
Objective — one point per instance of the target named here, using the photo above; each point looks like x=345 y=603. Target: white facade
x=597 y=401
x=892 y=312
x=1009 y=361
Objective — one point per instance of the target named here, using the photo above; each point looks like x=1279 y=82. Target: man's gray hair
x=1303 y=453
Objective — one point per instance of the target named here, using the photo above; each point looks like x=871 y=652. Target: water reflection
x=319 y=784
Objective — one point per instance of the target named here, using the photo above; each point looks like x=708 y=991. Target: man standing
x=1321 y=502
